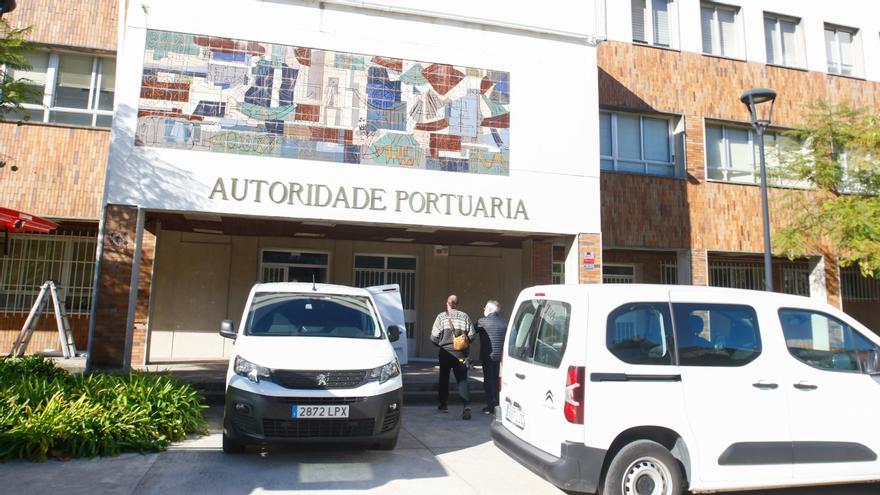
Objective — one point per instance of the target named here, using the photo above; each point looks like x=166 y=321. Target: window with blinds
x=842 y=51
x=784 y=40
x=639 y=144
x=719 y=29
x=652 y=22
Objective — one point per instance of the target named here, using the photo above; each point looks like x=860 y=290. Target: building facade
x=363 y=144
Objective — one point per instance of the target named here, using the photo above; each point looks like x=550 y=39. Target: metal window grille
x=796 y=280
x=68 y=259
x=855 y=287
x=405 y=278
x=619 y=274
x=668 y=273
x=736 y=275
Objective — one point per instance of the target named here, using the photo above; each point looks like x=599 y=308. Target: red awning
x=19 y=222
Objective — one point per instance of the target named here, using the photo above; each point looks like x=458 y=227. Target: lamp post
x=756 y=100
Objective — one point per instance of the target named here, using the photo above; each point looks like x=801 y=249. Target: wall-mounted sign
x=589 y=261
x=441 y=250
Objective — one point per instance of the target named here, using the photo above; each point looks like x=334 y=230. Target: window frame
x=739 y=41
x=776 y=134
x=51 y=82
x=615 y=153
x=633 y=278
x=800 y=55
x=557 y=266
x=855 y=46
x=852 y=333
x=668 y=331
x=264 y=264
x=648 y=25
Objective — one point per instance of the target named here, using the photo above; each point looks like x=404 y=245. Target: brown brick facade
x=71 y=23
x=589 y=246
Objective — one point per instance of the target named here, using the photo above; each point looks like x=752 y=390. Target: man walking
x=491 y=328
x=448 y=325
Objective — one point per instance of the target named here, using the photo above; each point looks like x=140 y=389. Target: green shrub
x=46 y=412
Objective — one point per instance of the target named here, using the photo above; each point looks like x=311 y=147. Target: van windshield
x=279 y=314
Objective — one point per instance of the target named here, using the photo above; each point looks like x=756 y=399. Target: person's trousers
x=490 y=381
x=450 y=362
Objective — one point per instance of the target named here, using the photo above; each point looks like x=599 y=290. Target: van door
x=534 y=374
x=834 y=399
x=734 y=391
x=390 y=307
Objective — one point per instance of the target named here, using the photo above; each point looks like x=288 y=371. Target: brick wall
x=542 y=263
x=74 y=23
x=60 y=170
x=45 y=337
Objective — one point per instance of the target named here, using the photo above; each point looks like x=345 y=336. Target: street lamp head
x=754 y=99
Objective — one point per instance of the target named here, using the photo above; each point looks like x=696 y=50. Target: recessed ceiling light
x=207 y=231
x=426 y=230
x=399 y=239
x=482 y=243
x=308 y=234
x=320 y=224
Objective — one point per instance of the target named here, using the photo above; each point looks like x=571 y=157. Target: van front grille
x=320 y=401
x=319 y=379
x=318 y=428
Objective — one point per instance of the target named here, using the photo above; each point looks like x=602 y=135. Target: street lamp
x=755 y=99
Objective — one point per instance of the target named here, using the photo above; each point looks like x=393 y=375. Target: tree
x=836 y=153
x=13 y=92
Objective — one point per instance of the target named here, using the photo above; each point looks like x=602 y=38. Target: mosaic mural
x=233 y=96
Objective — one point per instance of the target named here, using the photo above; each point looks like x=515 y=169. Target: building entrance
x=377 y=269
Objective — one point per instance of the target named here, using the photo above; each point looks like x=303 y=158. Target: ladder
x=65 y=336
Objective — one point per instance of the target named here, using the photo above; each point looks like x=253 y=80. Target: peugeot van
x=314 y=363
x=642 y=389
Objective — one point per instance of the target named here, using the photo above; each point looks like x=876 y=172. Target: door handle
x=805 y=386
x=521 y=376
x=763 y=385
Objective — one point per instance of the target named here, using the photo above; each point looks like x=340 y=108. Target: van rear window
x=540 y=332
x=305 y=315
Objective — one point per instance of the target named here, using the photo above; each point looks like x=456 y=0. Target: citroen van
x=641 y=389
x=314 y=363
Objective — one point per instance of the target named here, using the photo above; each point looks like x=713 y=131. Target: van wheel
x=643 y=467
x=231 y=446
x=387 y=444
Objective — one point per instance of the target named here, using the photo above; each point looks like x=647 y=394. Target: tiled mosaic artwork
x=232 y=96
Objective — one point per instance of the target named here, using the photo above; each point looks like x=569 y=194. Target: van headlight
x=385 y=372
x=251 y=371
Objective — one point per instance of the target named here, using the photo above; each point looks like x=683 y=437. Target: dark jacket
x=492 y=329
x=442 y=335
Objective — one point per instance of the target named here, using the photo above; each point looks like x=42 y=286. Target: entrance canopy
x=19 y=222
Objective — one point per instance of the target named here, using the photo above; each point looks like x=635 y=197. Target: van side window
x=521 y=344
x=827 y=343
x=641 y=333
x=552 y=333
x=716 y=334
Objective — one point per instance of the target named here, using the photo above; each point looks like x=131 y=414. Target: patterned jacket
x=442 y=335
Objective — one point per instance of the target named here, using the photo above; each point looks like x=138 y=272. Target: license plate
x=515 y=415
x=316 y=412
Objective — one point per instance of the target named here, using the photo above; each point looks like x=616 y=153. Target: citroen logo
x=322 y=380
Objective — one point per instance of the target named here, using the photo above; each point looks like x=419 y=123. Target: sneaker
x=466 y=414
x=487 y=410
x=443 y=408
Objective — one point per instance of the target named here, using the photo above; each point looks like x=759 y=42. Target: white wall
x=863 y=15
x=554 y=166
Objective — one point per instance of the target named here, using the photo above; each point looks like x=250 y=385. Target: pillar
x=699 y=267
x=590 y=258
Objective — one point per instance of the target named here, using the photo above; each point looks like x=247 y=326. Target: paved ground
x=437 y=454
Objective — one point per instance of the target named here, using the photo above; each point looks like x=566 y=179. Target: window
x=641 y=333
x=652 y=22
x=796 y=280
x=719 y=24
x=825 y=342
x=841 y=48
x=716 y=334
x=291 y=266
x=558 y=265
x=668 y=273
x=736 y=275
x=636 y=144
x=784 y=40
x=75 y=89
x=618 y=274
x=540 y=332
x=856 y=287
x=733 y=154
x=69 y=260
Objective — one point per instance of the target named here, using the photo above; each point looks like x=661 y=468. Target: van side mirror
x=394 y=333
x=227 y=329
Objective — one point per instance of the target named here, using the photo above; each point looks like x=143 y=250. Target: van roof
x=307 y=287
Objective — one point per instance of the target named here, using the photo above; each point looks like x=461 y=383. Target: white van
x=314 y=363
x=649 y=389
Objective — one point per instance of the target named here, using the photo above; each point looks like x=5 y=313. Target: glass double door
x=377 y=269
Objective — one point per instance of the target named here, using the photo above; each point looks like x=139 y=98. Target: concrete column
x=683 y=267
x=818 y=290
x=832 y=282
x=590 y=251
x=139 y=344
x=572 y=260
x=107 y=332
x=699 y=267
